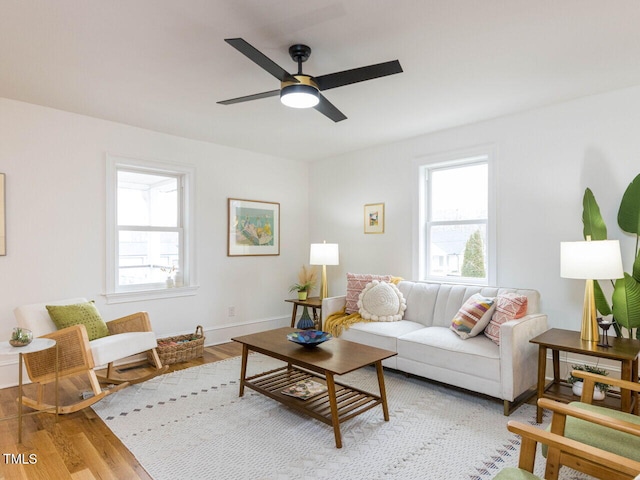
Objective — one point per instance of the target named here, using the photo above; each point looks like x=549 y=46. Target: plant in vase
x=600 y=388
x=307 y=280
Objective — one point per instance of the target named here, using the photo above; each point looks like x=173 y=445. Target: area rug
x=191 y=424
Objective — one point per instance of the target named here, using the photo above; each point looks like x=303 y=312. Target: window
x=456 y=205
x=149 y=246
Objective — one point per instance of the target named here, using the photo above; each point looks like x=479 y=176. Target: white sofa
x=427 y=347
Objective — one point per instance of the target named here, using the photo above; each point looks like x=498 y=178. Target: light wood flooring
x=78 y=446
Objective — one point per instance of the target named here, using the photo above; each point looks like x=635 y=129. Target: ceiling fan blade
x=347 y=77
x=261 y=59
x=328 y=109
x=256 y=96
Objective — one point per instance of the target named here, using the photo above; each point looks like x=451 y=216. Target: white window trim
x=419 y=231
x=114 y=295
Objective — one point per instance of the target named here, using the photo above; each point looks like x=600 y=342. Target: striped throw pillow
x=473 y=316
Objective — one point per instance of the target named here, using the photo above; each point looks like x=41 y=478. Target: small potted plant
x=600 y=388
x=20 y=337
x=307 y=279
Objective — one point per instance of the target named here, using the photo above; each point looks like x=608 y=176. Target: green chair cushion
x=621 y=443
x=64 y=316
x=511 y=473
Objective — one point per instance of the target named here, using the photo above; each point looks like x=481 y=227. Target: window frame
x=186 y=181
x=455 y=159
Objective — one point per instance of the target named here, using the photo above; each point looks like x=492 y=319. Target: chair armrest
x=590 y=379
x=518 y=356
x=332 y=305
x=136 y=322
x=569 y=410
x=595 y=455
x=74 y=355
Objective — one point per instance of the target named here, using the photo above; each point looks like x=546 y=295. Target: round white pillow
x=381 y=302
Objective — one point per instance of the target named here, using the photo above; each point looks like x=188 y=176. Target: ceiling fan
x=303 y=91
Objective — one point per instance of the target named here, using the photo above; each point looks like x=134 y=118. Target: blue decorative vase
x=305 y=322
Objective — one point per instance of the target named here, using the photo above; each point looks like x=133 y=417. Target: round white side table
x=36 y=345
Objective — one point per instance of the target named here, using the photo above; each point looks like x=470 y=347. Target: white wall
x=55 y=187
x=545 y=160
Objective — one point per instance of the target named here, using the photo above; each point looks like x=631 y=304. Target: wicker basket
x=181 y=348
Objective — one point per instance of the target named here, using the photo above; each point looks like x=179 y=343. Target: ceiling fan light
x=299 y=96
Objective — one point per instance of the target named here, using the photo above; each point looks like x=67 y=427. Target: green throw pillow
x=81 y=313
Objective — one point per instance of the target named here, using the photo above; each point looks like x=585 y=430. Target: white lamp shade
x=324 y=254
x=591 y=260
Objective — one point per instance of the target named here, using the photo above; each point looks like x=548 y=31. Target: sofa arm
x=332 y=305
x=518 y=356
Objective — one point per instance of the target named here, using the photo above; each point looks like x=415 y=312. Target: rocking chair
x=77 y=355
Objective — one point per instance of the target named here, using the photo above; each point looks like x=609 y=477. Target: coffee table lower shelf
x=350 y=401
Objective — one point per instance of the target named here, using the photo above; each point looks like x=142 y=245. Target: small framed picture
x=253 y=228
x=374 y=218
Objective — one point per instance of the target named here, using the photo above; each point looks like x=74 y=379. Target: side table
x=315 y=303
x=36 y=345
x=624 y=350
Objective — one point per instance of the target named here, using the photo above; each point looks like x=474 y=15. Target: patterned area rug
x=192 y=424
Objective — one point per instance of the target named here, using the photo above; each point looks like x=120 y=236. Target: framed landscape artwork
x=374 y=218
x=253 y=228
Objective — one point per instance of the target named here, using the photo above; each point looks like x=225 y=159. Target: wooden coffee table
x=334 y=357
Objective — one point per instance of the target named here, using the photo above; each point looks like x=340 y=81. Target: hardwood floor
x=78 y=446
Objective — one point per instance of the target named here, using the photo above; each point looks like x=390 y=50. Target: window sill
x=141 y=295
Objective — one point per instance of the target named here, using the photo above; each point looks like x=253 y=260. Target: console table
x=624 y=350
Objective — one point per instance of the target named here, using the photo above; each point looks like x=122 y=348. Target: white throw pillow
x=381 y=302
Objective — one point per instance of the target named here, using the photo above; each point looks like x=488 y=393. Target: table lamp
x=324 y=254
x=590 y=260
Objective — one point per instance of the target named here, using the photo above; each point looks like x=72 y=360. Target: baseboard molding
x=224 y=333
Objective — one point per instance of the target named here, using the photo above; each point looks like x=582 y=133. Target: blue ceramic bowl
x=309 y=338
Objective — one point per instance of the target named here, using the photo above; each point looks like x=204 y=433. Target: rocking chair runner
x=128 y=336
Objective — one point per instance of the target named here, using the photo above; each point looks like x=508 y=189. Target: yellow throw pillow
x=81 y=313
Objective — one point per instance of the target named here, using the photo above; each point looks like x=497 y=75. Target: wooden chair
x=77 y=355
x=595 y=440
x=594 y=461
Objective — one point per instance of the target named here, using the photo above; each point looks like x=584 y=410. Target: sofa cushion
x=121 y=345
x=380 y=334
x=421 y=299
x=509 y=306
x=80 y=313
x=381 y=302
x=474 y=315
x=355 y=284
x=441 y=347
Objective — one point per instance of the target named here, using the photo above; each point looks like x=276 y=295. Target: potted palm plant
x=600 y=388
x=625 y=300
x=307 y=279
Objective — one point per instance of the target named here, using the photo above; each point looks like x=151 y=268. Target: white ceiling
x=163 y=64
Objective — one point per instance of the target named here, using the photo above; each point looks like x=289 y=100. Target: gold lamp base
x=324 y=288
x=589 y=328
